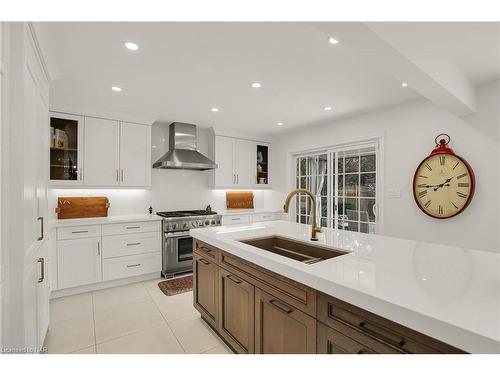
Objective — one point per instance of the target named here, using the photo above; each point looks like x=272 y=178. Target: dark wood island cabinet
x=257 y=311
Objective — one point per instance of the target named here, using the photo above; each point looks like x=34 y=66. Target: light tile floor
x=136 y=318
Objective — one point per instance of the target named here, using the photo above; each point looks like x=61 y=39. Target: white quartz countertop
x=243 y=211
x=446 y=292
x=104 y=220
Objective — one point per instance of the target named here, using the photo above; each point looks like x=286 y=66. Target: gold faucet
x=315 y=228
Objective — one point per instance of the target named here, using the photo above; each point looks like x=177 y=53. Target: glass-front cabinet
x=262 y=165
x=66 y=151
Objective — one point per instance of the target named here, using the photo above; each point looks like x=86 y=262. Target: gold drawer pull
x=396 y=341
x=281 y=306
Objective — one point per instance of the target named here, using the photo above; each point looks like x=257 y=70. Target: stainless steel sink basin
x=300 y=251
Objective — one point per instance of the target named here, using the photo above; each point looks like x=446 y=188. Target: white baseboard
x=103 y=285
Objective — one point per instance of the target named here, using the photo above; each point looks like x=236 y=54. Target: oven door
x=177 y=251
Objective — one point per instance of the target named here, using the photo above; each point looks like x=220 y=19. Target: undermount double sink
x=299 y=251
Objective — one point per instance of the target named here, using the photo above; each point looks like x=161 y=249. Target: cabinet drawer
x=132 y=265
x=81 y=231
x=267 y=216
x=331 y=341
x=206 y=250
x=292 y=292
x=236 y=219
x=338 y=314
x=131 y=244
x=126 y=228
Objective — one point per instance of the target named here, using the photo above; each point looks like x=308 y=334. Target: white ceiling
x=182 y=70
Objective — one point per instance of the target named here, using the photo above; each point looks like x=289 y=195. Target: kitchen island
x=380 y=294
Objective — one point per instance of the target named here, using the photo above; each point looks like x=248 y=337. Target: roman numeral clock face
x=443 y=185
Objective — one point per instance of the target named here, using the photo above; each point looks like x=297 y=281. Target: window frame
x=333 y=152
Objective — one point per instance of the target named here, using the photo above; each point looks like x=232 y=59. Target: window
x=345 y=184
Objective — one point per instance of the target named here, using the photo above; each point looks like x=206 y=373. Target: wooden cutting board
x=239 y=199
x=81 y=207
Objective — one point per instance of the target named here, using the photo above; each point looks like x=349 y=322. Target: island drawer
x=331 y=341
x=291 y=292
x=206 y=250
x=338 y=314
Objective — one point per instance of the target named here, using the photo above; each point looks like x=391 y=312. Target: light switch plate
x=393 y=193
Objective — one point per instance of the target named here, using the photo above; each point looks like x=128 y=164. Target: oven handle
x=177 y=234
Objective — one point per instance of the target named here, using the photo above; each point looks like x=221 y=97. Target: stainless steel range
x=177 y=250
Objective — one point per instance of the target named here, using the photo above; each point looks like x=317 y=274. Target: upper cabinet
x=135 y=154
x=90 y=151
x=66 y=151
x=242 y=163
x=102 y=152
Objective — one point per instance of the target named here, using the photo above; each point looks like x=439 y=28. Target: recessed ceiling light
x=215 y=109
x=404 y=84
x=279 y=123
x=256 y=85
x=131 y=46
x=116 y=88
x=327 y=108
x=332 y=40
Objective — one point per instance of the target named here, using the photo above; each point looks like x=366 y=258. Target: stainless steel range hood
x=182 y=152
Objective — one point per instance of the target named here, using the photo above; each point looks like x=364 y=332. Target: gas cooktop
x=169 y=214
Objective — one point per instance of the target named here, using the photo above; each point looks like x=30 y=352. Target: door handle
x=205 y=262
x=122 y=175
x=42 y=270
x=281 y=306
x=40 y=219
x=117 y=176
x=234 y=279
x=99 y=248
x=379 y=334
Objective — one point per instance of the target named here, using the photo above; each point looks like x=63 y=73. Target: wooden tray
x=81 y=207
x=239 y=199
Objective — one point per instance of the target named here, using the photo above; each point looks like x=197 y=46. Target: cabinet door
x=66 y=148
x=281 y=328
x=205 y=288
x=102 y=143
x=42 y=294
x=236 y=311
x=224 y=157
x=135 y=154
x=245 y=159
x=78 y=262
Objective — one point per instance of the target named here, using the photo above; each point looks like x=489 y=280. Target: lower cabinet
x=236 y=311
x=282 y=329
x=78 y=262
x=331 y=341
x=205 y=291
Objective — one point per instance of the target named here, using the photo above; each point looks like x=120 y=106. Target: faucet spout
x=315 y=228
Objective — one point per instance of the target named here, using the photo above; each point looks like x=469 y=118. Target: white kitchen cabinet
x=237 y=163
x=102 y=152
x=42 y=293
x=135 y=154
x=245 y=167
x=224 y=157
x=78 y=262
